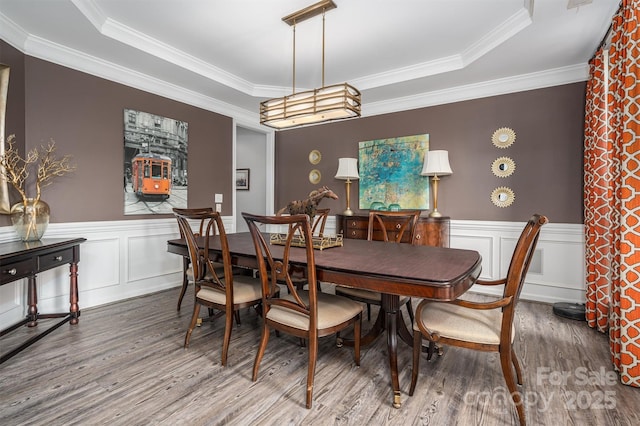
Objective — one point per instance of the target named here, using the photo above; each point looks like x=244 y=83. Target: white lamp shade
x=347 y=169
x=436 y=163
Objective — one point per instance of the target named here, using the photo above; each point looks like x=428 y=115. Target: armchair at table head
x=483 y=326
x=403 y=225
x=214 y=289
x=307 y=314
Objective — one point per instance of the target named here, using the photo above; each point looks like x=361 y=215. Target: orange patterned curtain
x=612 y=192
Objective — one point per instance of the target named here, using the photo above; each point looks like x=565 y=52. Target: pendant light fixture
x=313 y=106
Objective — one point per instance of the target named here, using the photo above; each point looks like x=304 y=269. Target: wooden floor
x=124 y=364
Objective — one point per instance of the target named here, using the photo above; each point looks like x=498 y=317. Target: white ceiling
x=227 y=56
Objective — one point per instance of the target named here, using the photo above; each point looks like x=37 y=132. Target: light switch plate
x=219 y=207
x=218 y=198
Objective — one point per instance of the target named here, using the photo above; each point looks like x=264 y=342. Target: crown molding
x=425 y=69
x=12 y=33
x=498 y=35
x=122 y=33
x=55 y=53
x=502 y=86
x=138 y=40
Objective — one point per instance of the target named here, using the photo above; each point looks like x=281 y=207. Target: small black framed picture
x=242 y=179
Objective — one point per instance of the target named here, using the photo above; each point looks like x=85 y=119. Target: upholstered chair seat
x=332 y=311
x=374 y=296
x=245 y=289
x=460 y=323
x=218 y=268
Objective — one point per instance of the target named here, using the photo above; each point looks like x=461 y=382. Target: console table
x=20 y=260
x=431 y=231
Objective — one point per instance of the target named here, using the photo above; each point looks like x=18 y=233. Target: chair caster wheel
x=339 y=342
x=199 y=322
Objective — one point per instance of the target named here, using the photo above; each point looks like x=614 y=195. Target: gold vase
x=30 y=219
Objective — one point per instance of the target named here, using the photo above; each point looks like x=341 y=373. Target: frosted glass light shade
x=314 y=106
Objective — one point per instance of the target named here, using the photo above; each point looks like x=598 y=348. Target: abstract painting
x=390 y=173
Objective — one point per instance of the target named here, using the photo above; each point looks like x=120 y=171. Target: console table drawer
x=55 y=259
x=16 y=270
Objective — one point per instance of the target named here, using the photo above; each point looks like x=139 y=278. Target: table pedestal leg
x=390 y=305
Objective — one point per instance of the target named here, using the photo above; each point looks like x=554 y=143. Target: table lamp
x=436 y=163
x=347 y=170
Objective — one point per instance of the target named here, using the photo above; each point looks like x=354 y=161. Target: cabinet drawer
x=55 y=259
x=16 y=270
x=357 y=224
x=360 y=234
x=431 y=231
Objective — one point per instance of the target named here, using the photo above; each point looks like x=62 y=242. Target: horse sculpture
x=309 y=205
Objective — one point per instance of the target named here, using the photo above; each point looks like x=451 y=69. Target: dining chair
x=483 y=326
x=187 y=270
x=401 y=222
x=306 y=314
x=226 y=292
x=318 y=223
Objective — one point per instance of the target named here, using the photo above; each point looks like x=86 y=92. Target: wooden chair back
x=319 y=221
x=519 y=266
x=405 y=222
x=273 y=271
x=193 y=213
x=198 y=246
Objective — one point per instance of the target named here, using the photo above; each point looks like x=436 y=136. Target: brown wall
x=84 y=115
x=547 y=152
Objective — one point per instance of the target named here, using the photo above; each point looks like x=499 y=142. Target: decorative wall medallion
x=315 y=176
x=502 y=196
x=503 y=137
x=315 y=156
x=503 y=167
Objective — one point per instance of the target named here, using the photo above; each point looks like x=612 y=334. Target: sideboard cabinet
x=431 y=231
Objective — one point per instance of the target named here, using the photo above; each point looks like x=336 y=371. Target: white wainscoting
x=557 y=271
x=124 y=259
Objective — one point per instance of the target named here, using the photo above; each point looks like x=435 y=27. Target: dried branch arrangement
x=16 y=169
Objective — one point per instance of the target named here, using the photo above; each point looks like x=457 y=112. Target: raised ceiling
x=227 y=56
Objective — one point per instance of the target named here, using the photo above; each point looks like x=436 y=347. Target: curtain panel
x=612 y=192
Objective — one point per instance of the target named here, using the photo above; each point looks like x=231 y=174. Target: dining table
x=394 y=270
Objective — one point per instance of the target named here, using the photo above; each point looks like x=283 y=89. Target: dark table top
x=420 y=271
